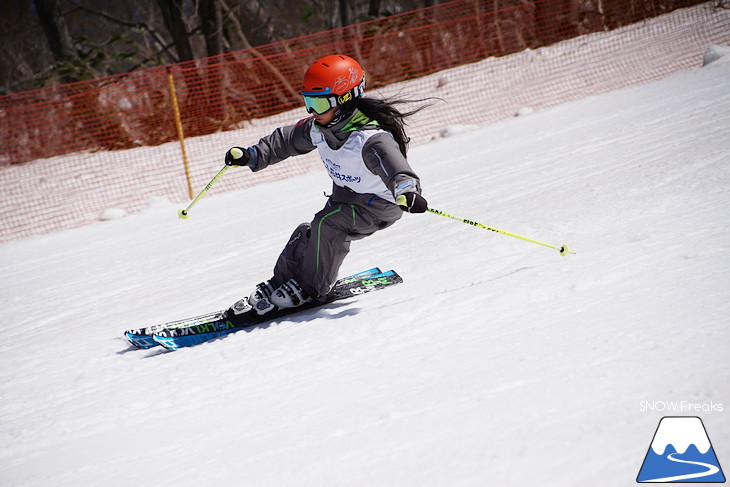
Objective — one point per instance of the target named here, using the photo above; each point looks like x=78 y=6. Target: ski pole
x=183 y=213
x=563 y=248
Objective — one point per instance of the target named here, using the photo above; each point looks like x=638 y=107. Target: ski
x=225 y=323
x=143 y=337
x=188 y=336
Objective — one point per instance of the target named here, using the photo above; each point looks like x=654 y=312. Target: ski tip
x=166 y=342
x=140 y=341
x=391 y=273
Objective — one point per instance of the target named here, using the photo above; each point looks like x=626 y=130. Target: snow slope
x=497 y=362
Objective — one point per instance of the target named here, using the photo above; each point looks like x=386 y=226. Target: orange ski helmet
x=333 y=81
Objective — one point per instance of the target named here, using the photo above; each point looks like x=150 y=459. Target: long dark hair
x=390 y=118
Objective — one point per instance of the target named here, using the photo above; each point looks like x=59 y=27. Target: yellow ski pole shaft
x=183 y=213
x=563 y=249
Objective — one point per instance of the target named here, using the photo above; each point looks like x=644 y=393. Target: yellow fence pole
x=180 y=134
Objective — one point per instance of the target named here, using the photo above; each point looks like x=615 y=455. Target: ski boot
x=289 y=295
x=260 y=298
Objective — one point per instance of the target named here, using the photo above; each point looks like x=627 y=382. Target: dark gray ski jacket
x=380 y=154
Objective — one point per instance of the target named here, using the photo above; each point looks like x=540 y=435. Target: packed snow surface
x=496 y=362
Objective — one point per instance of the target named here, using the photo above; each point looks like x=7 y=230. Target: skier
x=362 y=143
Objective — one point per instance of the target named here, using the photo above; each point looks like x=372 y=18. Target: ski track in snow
x=496 y=361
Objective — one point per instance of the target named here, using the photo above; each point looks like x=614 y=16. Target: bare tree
x=54 y=41
x=344 y=13
x=373 y=8
x=211 y=19
x=56 y=31
x=173 y=16
x=137 y=19
x=234 y=35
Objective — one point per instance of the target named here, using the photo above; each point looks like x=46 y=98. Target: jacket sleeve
x=284 y=142
x=383 y=157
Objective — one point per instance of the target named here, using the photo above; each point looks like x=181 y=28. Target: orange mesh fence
x=70 y=152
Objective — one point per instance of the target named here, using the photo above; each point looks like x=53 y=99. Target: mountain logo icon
x=681 y=452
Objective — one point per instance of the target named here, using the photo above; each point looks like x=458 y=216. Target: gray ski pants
x=316 y=250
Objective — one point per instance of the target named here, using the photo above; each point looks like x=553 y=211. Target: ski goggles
x=319 y=104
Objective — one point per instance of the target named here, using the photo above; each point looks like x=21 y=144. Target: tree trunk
x=172 y=15
x=344 y=13
x=374 y=9
x=233 y=30
x=212 y=22
x=54 y=27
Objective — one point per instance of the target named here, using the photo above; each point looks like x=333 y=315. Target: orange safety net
x=69 y=152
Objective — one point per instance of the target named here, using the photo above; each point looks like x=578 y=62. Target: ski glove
x=412 y=203
x=238 y=156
